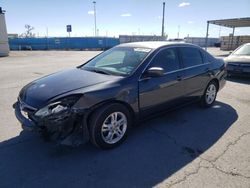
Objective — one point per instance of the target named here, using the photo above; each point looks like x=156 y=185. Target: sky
x=127 y=17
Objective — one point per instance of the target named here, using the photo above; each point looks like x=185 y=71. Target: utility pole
x=163 y=16
x=95 y=15
x=207 y=35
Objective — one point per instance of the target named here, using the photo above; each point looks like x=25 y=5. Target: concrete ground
x=188 y=147
x=217 y=52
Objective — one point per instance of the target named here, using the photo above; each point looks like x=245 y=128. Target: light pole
x=95 y=15
x=163 y=15
x=178 y=34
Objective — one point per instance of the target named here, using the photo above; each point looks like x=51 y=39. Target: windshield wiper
x=98 y=70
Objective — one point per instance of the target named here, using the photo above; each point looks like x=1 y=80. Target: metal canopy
x=234 y=22
x=231 y=23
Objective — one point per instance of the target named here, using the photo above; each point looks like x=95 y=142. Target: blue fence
x=62 y=43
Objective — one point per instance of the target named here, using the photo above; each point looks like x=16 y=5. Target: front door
x=157 y=93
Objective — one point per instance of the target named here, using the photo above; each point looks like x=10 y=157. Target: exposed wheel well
x=99 y=105
x=217 y=83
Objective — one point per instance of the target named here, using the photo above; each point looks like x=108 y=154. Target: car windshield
x=120 y=61
x=244 y=50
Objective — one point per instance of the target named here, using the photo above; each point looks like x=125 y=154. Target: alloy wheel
x=211 y=94
x=114 y=127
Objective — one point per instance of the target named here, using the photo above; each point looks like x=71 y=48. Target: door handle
x=208 y=71
x=179 y=78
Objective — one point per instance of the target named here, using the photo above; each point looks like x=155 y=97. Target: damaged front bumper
x=22 y=116
x=67 y=128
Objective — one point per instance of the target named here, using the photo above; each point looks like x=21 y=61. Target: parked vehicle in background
x=238 y=62
x=100 y=100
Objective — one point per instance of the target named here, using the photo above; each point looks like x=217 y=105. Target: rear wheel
x=109 y=125
x=210 y=94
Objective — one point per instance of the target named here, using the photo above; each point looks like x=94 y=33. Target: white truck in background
x=4 y=45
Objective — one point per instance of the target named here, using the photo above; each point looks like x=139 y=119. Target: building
x=12 y=35
x=4 y=45
x=233 y=42
x=201 y=41
x=139 y=38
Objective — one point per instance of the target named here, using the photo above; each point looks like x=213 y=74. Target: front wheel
x=210 y=94
x=109 y=125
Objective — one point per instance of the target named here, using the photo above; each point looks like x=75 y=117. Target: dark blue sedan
x=101 y=99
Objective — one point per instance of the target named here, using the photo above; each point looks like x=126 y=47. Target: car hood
x=238 y=59
x=39 y=92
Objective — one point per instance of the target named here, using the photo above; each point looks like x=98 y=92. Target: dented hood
x=39 y=92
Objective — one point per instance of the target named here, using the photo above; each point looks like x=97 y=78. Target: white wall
x=200 y=41
x=4 y=45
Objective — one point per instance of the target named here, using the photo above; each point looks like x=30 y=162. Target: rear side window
x=210 y=58
x=190 y=56
x=166 y=59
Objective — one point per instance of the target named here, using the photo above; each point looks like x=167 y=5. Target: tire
x=109 y=125
x=210 y=94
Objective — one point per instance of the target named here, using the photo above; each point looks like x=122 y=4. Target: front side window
x=121 y=61
x=190 y=56
x=166 y=59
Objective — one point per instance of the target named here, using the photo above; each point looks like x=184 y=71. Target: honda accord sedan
x=101 y=99
x=238 y=62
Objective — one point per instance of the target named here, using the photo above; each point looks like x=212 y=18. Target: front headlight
x=57 y=107
x=51 y=109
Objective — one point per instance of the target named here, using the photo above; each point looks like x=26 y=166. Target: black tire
x=204 y=100
x=97 y=120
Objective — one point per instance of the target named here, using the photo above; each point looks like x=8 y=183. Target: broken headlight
x=57 y=107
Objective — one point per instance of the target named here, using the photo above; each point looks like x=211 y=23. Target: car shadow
x=239 y=79
x=154 y=151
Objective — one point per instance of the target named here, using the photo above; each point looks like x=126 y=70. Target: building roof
x=234 y=22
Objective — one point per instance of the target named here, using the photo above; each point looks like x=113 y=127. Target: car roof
x=155 y=44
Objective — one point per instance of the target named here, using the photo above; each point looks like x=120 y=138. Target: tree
x=28 y=33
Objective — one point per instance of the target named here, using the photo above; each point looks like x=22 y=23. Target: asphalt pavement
x=187 y=147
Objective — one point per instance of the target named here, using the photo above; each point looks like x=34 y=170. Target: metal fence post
x=207 y=35
x=232 y=40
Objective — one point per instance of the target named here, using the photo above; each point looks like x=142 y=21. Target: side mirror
x=154 y=72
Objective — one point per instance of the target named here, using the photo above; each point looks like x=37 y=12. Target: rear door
x=196 y=70
x=155 y=94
